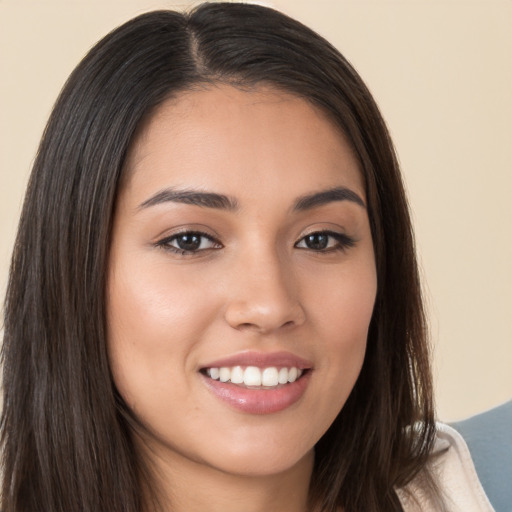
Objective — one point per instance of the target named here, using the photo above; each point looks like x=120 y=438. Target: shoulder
x=456 y=477
x=489 y=439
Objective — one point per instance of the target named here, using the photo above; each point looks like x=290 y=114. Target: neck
x=188 y=486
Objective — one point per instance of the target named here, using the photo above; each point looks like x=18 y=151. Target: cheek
x=342 y=314
x=149 y=299
x=154 y=324
x=343 y=305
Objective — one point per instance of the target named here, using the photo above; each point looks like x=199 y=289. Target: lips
x=258 y=383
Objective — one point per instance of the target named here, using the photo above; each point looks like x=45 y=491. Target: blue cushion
x=489 y=439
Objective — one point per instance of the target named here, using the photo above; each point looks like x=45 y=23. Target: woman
x=214 y=301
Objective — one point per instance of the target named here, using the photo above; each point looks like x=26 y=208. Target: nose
x=263 y=295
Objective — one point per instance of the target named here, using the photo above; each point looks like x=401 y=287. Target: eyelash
x=343 y=242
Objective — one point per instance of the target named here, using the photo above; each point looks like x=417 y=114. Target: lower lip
x=259 y=401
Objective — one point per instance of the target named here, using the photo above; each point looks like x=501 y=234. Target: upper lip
x=261 y=360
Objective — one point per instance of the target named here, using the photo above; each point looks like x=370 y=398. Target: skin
x=255 y=286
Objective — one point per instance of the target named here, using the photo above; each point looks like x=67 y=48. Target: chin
x=265 y=465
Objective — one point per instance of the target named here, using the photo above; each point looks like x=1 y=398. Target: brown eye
x=317 y=241
x=189 y=242
x=325 y=241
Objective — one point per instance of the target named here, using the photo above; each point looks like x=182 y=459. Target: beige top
x=458 y=480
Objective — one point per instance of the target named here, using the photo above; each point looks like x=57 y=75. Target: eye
x=189 y=242
x=325 y=241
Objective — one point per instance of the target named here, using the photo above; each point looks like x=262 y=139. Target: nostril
x=245 y=326
x=264 y=313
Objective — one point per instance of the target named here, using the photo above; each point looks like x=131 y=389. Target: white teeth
x=237 y=375
x=224 y=374
x=253 y=376
x=270 y=377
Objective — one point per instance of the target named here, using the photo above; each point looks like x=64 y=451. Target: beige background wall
x=442 y=74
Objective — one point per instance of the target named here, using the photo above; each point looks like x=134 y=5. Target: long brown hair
x=67 y=436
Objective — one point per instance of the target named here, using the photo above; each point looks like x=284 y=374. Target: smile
x=254 y=377
x=258 y=383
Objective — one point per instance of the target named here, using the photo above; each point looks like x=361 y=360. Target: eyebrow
x=223 y=202
x=193 y=197
x=327 y=196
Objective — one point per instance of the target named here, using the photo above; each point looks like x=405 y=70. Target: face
x=241 y=279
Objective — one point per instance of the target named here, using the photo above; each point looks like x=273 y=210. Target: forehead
x=221 y=137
